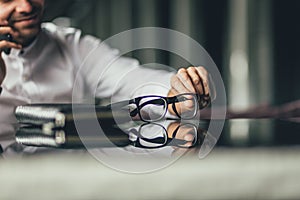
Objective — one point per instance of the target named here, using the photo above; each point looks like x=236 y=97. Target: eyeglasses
x=152 y=136
x=153 y=108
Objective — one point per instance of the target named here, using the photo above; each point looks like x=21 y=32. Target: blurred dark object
x=59 y=8
x=6 y=37
x=289 y=112
x=69 y=138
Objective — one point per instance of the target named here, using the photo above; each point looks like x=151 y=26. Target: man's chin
x=27 y=35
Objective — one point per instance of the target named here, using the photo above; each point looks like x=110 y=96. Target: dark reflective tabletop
x=43 y=160
x=17 y=139
x=188 y=135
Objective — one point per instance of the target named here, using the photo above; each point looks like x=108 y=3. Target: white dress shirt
x=45 y=72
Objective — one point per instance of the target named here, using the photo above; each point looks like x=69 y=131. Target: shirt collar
x=25 y=51
x=31 y=49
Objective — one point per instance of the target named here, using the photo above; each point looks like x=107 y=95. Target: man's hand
x=4 y=44
x=191 y=80
x=2 y=70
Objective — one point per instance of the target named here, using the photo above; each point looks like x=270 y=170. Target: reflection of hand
x=186 y=133
x=190 y=80
x=194 y=138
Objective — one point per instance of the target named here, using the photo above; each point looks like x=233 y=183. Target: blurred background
x=254 y=43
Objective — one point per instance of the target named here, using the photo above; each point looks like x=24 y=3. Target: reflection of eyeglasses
x=154 y=108
x=152 y=135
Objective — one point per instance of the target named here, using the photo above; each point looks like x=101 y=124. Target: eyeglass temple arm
x=119 y=104
x=122 y=104
x=203 y=100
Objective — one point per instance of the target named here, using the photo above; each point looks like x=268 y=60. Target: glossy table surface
x=232 y=170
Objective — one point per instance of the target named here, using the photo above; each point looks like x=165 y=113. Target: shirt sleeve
x=110 y=75
x=8 y=103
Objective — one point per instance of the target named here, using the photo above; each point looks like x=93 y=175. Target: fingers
x=191 y=80
x=178 y=85
x=4 y=43
x=8 y=30
x=204 y=79
x=197 y=79
x=186 y=80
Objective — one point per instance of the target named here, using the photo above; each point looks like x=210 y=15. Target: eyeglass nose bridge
x=133 y=110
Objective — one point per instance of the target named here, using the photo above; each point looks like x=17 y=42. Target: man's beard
x=27 y=33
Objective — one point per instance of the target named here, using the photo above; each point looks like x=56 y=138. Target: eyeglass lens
x=152 y=108
x=186 y=106
x=155 y=136
x=152 y=136
x=187 y=133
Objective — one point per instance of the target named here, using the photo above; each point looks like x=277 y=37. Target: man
x=45 y=60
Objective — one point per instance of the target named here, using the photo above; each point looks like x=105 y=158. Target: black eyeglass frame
x=167 y=141
x=203 y=101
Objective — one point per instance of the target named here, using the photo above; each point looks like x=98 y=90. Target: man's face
x=23 y=16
